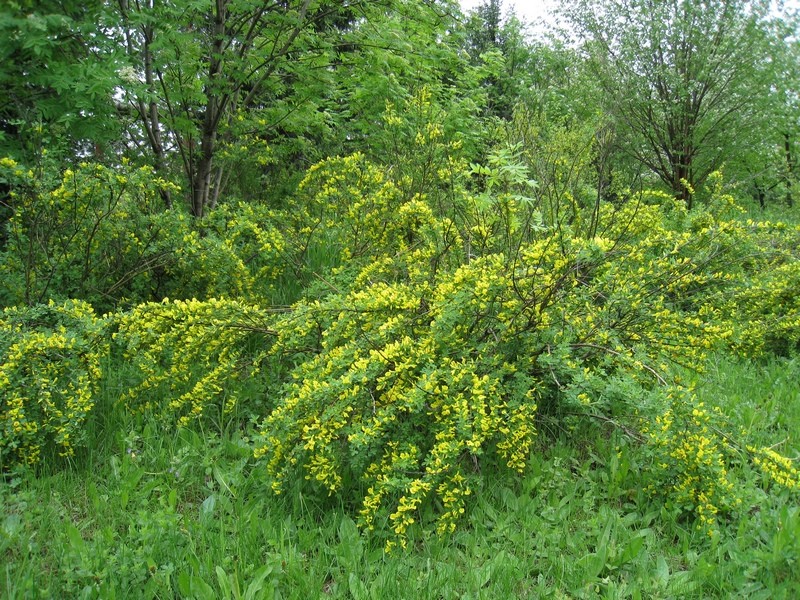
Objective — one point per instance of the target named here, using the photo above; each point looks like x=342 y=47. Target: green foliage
x=49 y=375
x=189 y=355
x=510 y=61
x=426 y=144
x=352 y=208
x=767 y=304
x=93 y=233
x=257 y=94
x=164 y=511
x=195 y=84
x=692 y=460
x=451 y=327
x=489 y=330
x=54 y=92
x=101 y=235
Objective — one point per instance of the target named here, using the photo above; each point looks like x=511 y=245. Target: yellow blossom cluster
x=428 y=156
x=50 y=369
x=769 y=307
x=777 y=467
x=235 y=252
x=357 y=211
x=186 y=351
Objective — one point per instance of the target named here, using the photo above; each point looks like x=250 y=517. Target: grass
x=762 y=398
x=163 y=514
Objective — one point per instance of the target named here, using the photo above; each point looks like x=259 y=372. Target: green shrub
x=187 y=355
x=49 y=376
x=427 y=359
x=102 y=235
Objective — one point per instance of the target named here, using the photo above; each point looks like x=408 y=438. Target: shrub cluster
x=447 y=311
x=435 y=363
x=103 y=235
x=50 y=369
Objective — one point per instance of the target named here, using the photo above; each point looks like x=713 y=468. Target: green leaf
x=207 y=508
x=257 y=583
x=224 y=583
x=199 y=589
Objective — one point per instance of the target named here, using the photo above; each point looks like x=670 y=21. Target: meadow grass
x=158 y=513
x=773 y=211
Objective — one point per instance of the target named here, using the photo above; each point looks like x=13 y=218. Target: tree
x=230 y=77
x=379 y=62
x=786 y=123
x=51 y=83
x=501 y=43
x=196 y=67
x=687 y=82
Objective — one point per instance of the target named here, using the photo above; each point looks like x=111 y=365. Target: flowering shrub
x=446 y=332
x=440 y=325
x=353 y=204
x=234 y=252
x=692 y=459
x=767 y=303
x=398 y=398
x=187 y=353
x=448 y=312
x=89 y=233
x=694 y=454
x=778 y=468
x=102 y=235
x=435 y=363
x=50 y=369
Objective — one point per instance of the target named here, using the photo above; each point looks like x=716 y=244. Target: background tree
x=52 y=84
x=54 y=90
x=686 y=82
x=785 y=125
x=501 y=42
x=197 y=69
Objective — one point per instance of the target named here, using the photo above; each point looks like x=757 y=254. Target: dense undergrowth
x=277 y=402
x=188 y=514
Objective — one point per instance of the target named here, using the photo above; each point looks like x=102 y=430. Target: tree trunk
x=790 y=168
x=202 y=180
x=148 y=113
x=681 y=171
x=202 y=193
